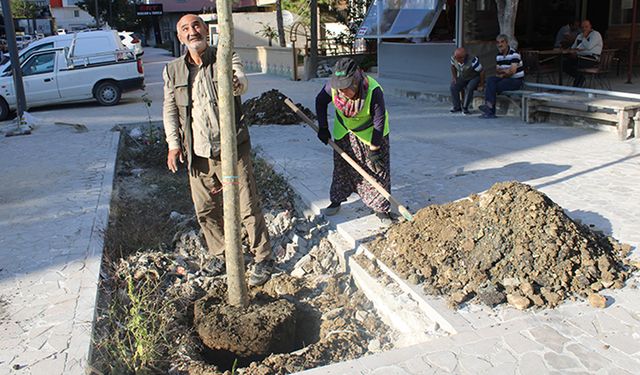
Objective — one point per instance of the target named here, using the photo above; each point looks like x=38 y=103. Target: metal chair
x=597 y=74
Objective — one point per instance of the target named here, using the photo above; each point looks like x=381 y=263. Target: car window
x=31 y=51
x=39 y=64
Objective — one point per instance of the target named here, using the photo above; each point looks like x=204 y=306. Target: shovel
x=402 y=209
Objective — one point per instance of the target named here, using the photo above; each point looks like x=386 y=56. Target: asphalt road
x=131 y=108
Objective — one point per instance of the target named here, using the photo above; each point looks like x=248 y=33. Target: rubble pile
x=269 y=109
x=511 y=244
x=334 y=320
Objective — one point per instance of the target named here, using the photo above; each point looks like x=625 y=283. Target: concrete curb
x=82 y=329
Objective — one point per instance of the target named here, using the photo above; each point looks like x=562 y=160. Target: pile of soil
x=269 y=109
x=511 y=244
x=151 y=299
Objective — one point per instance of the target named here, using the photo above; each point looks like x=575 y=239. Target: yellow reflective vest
x=361 y=125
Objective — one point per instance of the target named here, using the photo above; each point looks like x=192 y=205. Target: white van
x=86 y=43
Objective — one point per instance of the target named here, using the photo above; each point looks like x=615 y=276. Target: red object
x=55 y=3
x=135 y=40
x=140 y=68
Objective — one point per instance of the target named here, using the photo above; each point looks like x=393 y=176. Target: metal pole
x=10 y=32
x=632 y=43
x=236 y=285
x=313 y=50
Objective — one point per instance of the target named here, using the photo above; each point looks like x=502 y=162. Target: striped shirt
x=503 y=62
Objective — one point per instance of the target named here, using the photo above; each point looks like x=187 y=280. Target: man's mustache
x=195 y=37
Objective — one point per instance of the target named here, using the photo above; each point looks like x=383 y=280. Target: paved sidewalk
x=54 y=203
x=438 y=157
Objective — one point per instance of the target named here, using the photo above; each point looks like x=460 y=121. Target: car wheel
x=108 y=93
x=4 y=110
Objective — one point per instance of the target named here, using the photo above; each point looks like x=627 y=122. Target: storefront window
x=391 y=19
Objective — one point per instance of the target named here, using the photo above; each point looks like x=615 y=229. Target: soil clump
x=269 y=109
x=152 y=282
x=511 y=244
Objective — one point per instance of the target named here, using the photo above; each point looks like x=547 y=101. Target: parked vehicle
x=61 y=31
x=39 y=36
x=132 y=41
x=22 y=41
x=54 y=76
x=86 y=43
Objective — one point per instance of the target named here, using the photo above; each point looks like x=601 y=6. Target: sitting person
x=509 y=76
x=588 y=47
x=567 y=34
x=466 y=74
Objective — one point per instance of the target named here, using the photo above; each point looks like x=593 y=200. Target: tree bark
x=507 y=11
x=280 y=24
x=236 y=285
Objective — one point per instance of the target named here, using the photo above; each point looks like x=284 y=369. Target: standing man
x=509 y=76
x=567 y=34
x=190 y=115
x=466 y=74
x=588 y=47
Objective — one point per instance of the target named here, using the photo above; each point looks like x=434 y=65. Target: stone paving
x=438 y=157
x=54 y=204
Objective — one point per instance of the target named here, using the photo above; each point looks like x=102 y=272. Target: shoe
x=261 y=273
x=455 y=110
x=215 y=267
x=485 y=108
x=488 y=115
x=385 y=217
x=466 y=112
x=332 y=209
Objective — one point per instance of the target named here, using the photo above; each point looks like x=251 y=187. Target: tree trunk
x=236 y=285
x=507 y=11
x=280 y=23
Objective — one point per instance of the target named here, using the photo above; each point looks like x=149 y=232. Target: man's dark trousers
x=469 y=87
x=496 y=85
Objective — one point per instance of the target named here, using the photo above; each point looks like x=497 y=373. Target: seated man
x=567 y=34
x=588 y=47
x=466 y=74
x=509 y=76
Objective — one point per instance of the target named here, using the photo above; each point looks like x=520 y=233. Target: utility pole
x=10 y=32
x=313 y=50
x=236 y=285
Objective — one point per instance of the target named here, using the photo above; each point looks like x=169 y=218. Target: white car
x=132 y=41
x=52 y=76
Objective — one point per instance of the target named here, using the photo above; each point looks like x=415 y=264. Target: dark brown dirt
x=511 y=243
x=265 y=326
x=269 y=109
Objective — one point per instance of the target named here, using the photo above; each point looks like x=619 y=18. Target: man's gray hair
x=503 y=37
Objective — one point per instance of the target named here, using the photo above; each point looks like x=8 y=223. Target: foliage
x=267 y=31
x=153 y=135
x=121 y=17
x=23 y=9
x=352 y=18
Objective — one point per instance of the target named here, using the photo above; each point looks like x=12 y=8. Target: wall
x=65 y=17
x=428 y=62
x=272 y=60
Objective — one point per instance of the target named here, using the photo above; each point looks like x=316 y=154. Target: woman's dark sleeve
x=378 y=112
x=322 y=103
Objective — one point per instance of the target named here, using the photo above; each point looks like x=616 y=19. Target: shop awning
x=401 y=18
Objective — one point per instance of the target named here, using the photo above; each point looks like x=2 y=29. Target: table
x=558 y=52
